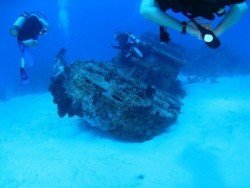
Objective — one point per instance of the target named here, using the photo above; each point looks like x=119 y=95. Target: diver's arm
x=44 y=23
x=150 y=10
x=30 y=42
x=233 y=16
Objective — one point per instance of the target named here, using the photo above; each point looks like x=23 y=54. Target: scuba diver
x=60 y=62
x=155 y=10
x=128 y=45
x=27 y=28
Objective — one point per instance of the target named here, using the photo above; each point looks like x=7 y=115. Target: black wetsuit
x=203 y=8
x=123 y=40
x=30 y=29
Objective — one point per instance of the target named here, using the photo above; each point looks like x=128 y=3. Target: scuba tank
x=18 y=24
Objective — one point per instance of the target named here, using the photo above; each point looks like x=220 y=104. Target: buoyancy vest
x=30 y=29
x=204 y=8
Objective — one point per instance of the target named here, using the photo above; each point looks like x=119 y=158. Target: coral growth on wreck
x=134 y=100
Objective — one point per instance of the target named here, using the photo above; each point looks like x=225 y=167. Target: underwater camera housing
x=209 y=37
x=212 y=41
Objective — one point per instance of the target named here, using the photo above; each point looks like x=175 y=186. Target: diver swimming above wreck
x=128 y=45
x=27 y=29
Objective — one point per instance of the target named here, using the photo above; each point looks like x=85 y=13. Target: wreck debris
x=126 y=101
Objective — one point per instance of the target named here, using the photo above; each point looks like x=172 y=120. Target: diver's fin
x=23 y=74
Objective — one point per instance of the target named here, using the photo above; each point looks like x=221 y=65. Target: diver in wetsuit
x=128 y=45
x=155 y=10
x=27 y=28
x=60 y=62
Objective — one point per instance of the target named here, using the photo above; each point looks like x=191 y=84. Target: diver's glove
x=24 y=76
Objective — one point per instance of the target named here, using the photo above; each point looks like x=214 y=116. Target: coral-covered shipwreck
x=134 y=99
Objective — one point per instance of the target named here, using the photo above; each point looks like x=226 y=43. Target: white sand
x=208 y=147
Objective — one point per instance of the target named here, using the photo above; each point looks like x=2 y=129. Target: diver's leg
x=23 y=74
x=22 y=64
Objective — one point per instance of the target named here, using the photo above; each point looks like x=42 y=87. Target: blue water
x=86 y=28
x=87 y=33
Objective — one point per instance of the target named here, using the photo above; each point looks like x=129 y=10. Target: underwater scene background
x=87 y=30
x=207 y=146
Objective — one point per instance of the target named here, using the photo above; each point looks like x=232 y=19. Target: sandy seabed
x=209 y=146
